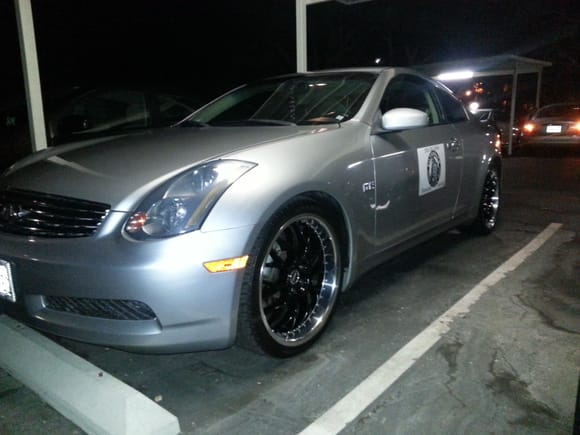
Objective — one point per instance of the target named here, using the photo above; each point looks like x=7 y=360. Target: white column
x=539 y=88
x=301 y=44
x=513 y=110
x=31 y=73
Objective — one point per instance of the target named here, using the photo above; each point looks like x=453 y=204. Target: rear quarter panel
x=479 y=150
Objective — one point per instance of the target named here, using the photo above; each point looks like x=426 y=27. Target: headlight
x=182 y=204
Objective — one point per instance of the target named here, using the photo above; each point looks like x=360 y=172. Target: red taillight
x=576 y=127
x=529 y=128
x=497 y=143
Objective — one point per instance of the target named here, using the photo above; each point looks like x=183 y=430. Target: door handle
x=454 y=145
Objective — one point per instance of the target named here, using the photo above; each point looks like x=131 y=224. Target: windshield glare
x=301 y=100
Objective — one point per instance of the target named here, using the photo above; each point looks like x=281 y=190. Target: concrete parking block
x=92 y=399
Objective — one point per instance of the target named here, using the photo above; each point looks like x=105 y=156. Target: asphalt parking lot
x=507 y=363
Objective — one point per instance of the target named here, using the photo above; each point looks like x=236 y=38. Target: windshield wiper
x=319 y=120
x=193 y=123
x=254 y=121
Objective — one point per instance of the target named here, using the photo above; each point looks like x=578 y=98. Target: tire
x=489 y=204
x=292 y=281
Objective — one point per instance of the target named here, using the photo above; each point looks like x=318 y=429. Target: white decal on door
x=431 y=161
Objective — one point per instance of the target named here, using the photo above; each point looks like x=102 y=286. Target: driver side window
x=411 y=92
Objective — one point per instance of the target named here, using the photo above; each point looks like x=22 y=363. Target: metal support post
x=513 y=110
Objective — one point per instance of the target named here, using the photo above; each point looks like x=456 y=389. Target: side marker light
x=227 y=264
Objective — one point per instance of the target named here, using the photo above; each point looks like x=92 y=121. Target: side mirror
x=403 y=118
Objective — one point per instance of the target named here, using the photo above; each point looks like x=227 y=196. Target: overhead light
x=351 y=2
x=455 y=75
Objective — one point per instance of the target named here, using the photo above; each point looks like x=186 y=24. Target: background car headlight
x=182 y=204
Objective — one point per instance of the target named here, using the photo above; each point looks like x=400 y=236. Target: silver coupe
x=244 y=222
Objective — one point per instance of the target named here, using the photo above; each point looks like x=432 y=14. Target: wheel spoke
x=277 y=315
x=276 y=261
x=299 y=241
x=313 y=258
x=302 y=309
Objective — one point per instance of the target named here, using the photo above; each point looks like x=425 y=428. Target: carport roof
x=505 y=64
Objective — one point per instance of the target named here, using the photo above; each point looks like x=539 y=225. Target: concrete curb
x=92 y=399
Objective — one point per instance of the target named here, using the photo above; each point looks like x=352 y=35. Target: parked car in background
x=244 y=223
x=554 y=124
x=78 y=114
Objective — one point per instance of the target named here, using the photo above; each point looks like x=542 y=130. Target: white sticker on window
x=431 y=161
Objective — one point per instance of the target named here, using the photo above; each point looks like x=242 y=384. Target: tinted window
x=561 y=110
x=453 y=109
x=411 y=92
x=102 y=112
x=171 y=110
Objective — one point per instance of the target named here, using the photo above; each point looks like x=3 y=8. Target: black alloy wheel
x=489 y=205
x=292 y=281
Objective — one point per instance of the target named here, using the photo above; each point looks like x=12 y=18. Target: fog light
x=227 y=264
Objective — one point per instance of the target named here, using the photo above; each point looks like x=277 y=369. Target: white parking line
x=357 y=400
x=92 y=399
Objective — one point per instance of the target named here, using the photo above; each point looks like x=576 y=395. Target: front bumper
x=80 y=289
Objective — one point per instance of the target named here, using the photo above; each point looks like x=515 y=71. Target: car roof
x=353 y=70
x=375 y=70
x=571 y=104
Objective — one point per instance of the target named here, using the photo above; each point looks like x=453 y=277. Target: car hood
x=119 y=171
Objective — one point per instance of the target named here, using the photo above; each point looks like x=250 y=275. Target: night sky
x=203 y=48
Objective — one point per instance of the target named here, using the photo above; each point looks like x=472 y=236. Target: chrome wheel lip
x=327 y=290
x=491 y=199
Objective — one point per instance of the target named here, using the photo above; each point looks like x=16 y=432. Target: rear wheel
x=292 y=281
x=489 y=204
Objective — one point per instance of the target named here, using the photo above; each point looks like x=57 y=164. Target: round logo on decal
x=433 y=168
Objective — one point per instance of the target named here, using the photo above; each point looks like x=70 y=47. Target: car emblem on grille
x=12 y=212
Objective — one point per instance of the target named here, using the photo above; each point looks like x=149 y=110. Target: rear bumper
x=549 y=140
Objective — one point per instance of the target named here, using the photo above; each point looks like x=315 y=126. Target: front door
x=418 y=171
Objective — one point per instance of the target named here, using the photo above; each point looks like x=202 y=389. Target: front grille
x=116 y=309
x=44 y=215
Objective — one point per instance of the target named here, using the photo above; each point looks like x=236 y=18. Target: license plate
x=6 y=284
x=554 y=129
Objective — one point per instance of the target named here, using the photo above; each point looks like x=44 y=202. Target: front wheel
x=292 y=281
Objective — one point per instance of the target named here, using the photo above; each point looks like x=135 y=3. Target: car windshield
x=291 y=100
x=560 y=111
